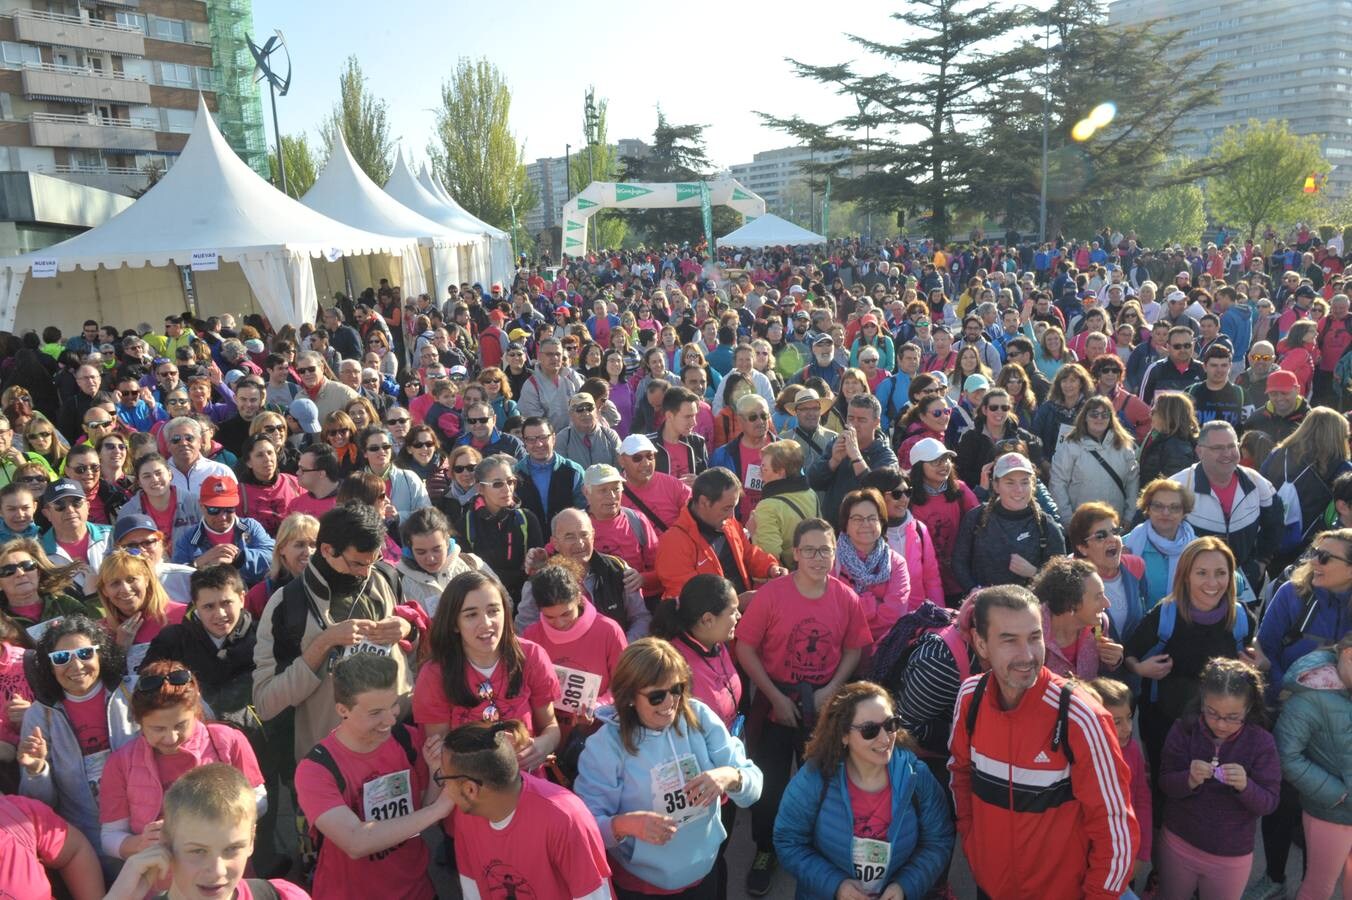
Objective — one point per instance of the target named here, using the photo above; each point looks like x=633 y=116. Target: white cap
x=636 y=443
x=1012 y=462
x=928 y=450
x=1175 y=295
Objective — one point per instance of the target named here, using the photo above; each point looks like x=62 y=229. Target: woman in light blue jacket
x=863 y=817
x=656 y=773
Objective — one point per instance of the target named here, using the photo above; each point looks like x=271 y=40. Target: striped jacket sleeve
x=1102 y=784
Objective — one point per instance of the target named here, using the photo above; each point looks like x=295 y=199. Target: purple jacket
x=1216 y=818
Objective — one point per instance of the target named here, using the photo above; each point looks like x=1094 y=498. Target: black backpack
x=1060 y=734
x=321 y=755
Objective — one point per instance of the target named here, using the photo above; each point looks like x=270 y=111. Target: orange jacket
x=682 y=553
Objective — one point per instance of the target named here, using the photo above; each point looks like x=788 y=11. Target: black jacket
x=697 y=454
x=225 y=674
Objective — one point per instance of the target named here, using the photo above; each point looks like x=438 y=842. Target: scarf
x=1144 y=535
x=876 y=568
x=581 y=625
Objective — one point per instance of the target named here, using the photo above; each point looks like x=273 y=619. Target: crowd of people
x=1044 y=552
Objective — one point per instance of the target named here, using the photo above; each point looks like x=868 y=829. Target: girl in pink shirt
x=700 y=625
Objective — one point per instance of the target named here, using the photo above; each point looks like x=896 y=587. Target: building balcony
x=38 y=27
x=123 y=180
x=91 y=132
x=74 y=84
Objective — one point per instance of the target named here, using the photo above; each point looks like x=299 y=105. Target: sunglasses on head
x=9 y=569
x=869 y=730
x=149 y=684
x=658 y=697
x=63 y=657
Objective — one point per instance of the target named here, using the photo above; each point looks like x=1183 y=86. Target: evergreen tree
x=677 y=154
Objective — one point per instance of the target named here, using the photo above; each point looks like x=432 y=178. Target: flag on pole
x=706 y=210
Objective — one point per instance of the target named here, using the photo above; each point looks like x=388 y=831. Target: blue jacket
x=894 y=394
x=254 y=542
x=1331 y=620
x=814 y=831
x=611 y=781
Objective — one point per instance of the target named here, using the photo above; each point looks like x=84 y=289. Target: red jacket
x=1032 y=823
x=682 y=553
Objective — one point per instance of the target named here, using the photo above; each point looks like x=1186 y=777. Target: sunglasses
x=63 y=657
x=500 y=483
x=1321 y=556
x=129 y=393
x=335 y=431
x=9 y=569
x=756 y=416
x=658 y=697
x=869 y=730
x=403 y=421
x=1263 y=357
x=1110 y=371
x=476 y=420
x=1180 y=346
x=941 y=413
x=33 y=479
x=462 y=470
x=584 y=408
x=379 y=448
x=65 y=504
x=1104 y=534
x=899 y=493
x=306 y=370
x=86 y=469
x=99 y=423
x=423 y=445
x=112 y=445
x=273 y=429
x=177 y=401
x=149 y=684
x=997 y=407
x=183 y=439
x=219 y=510
x=140 y=547
x=39 y=434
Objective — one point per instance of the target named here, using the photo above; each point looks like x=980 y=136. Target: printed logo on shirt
x=809 y=647
x=868 y=825
x=1041 y=757
x=505 y=882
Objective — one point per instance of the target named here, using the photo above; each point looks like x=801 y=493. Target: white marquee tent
x=210 y=211
x=500 y=262
x=403 y=186
x=769 y=231
x=345 y=193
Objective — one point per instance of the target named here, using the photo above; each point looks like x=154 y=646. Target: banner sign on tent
x=205 y=261
x=44 y=267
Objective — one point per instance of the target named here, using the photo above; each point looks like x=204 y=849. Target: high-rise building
x=1281 y=62
x=99 y=91
x=550 y=176
x=770 y=173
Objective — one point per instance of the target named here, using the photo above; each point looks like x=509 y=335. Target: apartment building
x=770 y=173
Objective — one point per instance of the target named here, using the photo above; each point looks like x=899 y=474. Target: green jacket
x=53 y=606
x=1313 y=737
x=774 y=517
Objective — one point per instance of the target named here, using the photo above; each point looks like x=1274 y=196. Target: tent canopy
x=209 y=200
x=769 y=231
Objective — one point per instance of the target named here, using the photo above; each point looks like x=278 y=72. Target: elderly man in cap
x=613 y=586
x=1176 y=312
x=137 y=533
x=72 y=538
x=658 y=496
x=587 y=440
x=812 y=436
x=224 y=538
x=824 y=364
x=621 y=531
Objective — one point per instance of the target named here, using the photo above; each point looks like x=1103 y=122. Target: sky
x=705 y=62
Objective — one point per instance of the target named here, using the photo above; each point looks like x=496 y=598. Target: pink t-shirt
x=1225 y=496
x=89 y=721
x=871 y=810
x=679 y=462
x=164 y=521
x=664 y=494
x=566 y=856
x=98 y=514
x=311 y=505
x=713 y=678
x=13 y=683
x=595 y=649
x=801 y=640
x=617 y=537
x=285 y=890
x=78 y=551
x=217 y=538
x=400 y=871
x=34 y=837
x=539 y=687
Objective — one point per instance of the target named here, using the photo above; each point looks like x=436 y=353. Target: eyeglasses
x=899 y=493
x=370 y=381
x=39 y=434
x=176 y=401
x=869 y=730
x=63 y=657
x=864 y=520
x=1171 y=508
x=183 y=439
x=1104 y=534
x=86 y=469
x=380 y=448
x=424 y=445
x=658 y=697
x=538 y=439
x=756 y=416
x=129 y=393
x=306 y=370
x=817 y=552
x=500 y=483
x=1098 y=414
x=98 y=423
x=140 y=547
x=67 y=503
x=219 y=510
x=997 y=407
x=1110 y=370
x=439 y=779
x=1180 y=346
x=1321 y=556
x=400 y=421
x=476 y=420
x=149 y=684
x=273 y=429
x=940 y=413
x=336 y=431
x=8 y=570
x=33 y=479
x=1232 y=719
x=486 y=693
x=1263 y=357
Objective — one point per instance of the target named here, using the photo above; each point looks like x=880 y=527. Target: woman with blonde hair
x=1171 y=445
x=499 y=393
x=136 y=608
x=32 y=589
x=41 y=437
x=296 y=543
x=1050 y=352
x=273 y=425
x=657 y=743
x=1309 y=460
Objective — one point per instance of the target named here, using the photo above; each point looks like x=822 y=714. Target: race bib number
x=669 y=797
x=93 y=767
x=387 y=797
x=364 y=647
x=1061 y=431
x=871 y=859
x=579 y=691
x=754 y=482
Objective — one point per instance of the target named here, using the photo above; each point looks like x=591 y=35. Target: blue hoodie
x=1331 y=619
x=814 y=829
x=612 y=781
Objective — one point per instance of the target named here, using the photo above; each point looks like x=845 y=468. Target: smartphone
x=738 y=726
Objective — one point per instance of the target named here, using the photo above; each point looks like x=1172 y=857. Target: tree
x=1136 y=67
x=677 y=154
x=1265 y=171
x=361 y=119
x=1160 y=217
x=801 y=204
x=921 y=138
x=300 y=165
x=474 y=151
x=600 y=162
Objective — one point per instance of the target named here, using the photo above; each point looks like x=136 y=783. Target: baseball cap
x=581 y=397
x=634 y=443
x=61 y=490
x=304 y=411
x=130 y=523
x=1304 y=291
x=1175 y=295
x=797 y=289
x=801 y=314
x=806 y=396
x=217 y=490
x=928 y=450
x=1012 y=462
x=824 y=339
x=497 y=316
x=940 y=379
x=518 y=334
x=869 y=319
x=497 y=286
x=1282 y=380
x=601 y=474
x=458 y=370
x=977 y=382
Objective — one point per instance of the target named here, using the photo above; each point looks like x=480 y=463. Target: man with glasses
x=133 y=410
x=858 y=449
x=547 y=391
x=222 y=538
x=811 y=435
x=345 y=603
x=72 y=538
x=87 y=341
x=548 y=483
x=164 y=380
x=481 y=433
x=188 y=468
x=658 y=496
x=327 y=395
x=175 y=335
x=1176 y=372
x=319 y=474
x=587 y=440
x=1233 y=502
x=742 y=454
x=1262 y=362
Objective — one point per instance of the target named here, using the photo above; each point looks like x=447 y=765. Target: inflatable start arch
x=601 y=195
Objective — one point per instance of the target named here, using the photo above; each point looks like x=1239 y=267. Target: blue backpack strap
x=1165 y=631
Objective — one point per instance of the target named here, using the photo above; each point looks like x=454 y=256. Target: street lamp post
x=591 y=121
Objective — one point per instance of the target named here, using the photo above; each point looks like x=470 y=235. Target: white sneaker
x=1266 y=889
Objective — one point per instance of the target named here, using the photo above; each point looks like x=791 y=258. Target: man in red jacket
x=1036 y=765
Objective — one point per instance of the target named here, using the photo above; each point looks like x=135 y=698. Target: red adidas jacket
x=1032 y=823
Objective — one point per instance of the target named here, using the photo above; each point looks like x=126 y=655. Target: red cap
x=218 y=490
x=497 y=316
x=1282 y=380
x=868 y=319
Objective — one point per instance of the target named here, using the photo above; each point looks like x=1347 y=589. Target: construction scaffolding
x=239 y=106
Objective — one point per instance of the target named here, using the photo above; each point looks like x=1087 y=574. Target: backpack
x=636 y=526
x=895 y=649
x=1293 y=532
x=321 y=755
x=1169 y=618
x=1060 y=734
